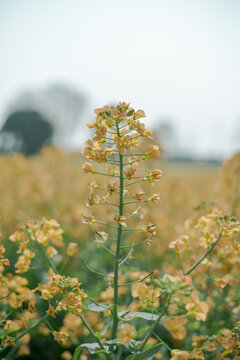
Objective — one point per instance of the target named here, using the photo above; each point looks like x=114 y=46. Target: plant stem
x=163 y=342
x=25 y=332
x=154 y=326
x=205 y=255
x=91 y=332
x=117 y=254
x=50 y=263
x=93 y=271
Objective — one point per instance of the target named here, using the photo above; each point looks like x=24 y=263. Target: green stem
x=154 y=326
x=135 y=182
x=11 y=352
x=137 y=281
x=134 y=202
x=91 y=332
x=50 y=263
x=101 y=223
x=117 y=254
x=93 y=271
x=25 y=332
x=163 y=342
x=100 y=173
x=205 y=255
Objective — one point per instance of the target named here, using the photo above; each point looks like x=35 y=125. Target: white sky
x=173 y=58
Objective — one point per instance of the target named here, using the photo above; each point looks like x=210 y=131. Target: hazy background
x=178 y=60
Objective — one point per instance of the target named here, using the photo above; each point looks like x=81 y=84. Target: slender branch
x=121 y=127
x=137 y=281
x=103 y=246
x=134 y=202
x=105 y=203
x=92 y=332
x=135 y=182
x=64 y=264
x=10 y=353
x=136 y=137
x=104 y=174
x=205 y=255
x=126 y=132
x=127 y=256
x=162 y=342
x=95 y=272
x=111 y=226
x=133 y=161
x=112 y=163
x=114 y=206
x=137 y=177
x=25 y=332
x=139 y=243
x=133 y=229
x=6 y=296
x=108 y=138
x=50 y=263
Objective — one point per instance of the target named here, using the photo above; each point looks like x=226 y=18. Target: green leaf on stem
x=98 y=307
x=93 y=348
x=147 y=354
x=140 y=315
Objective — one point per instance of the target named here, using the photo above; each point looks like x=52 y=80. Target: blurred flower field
x=54 y=287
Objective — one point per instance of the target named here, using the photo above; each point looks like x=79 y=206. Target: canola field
x=121 y=254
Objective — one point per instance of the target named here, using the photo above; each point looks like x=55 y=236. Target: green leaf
x=98 y=307
x=145 y=355
x=93 y=348
x=140 y=315
x=113 y=341
x=77 y=352
x=142 y=330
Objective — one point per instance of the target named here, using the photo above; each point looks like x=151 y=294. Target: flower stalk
x=117 y=254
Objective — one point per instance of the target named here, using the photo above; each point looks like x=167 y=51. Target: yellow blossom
x=140 y=196
x=66 y=355
x=51 y=311
x=61 y=337
x=120 y=219
x=153 y=151
x=71 y=249
x=129 y=171
x=126 y=333
x=154 y=176
x=52 y=252
x=9 y=340
x=176 y=327
x=102 y=235
x=101 y=110
x=150 y=228
x=155 y=198
x=179 y=355
x=197 y=308
x=88 y=168
x=88 y=219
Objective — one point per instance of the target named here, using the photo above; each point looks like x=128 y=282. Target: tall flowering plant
x=117 y=143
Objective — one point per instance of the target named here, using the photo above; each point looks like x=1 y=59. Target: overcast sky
x=178 y=59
